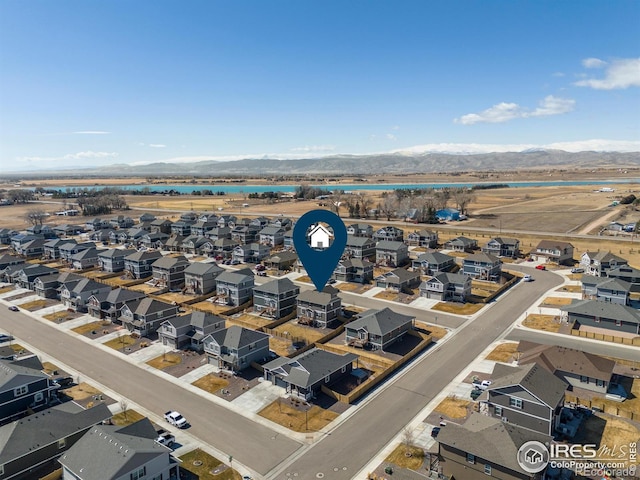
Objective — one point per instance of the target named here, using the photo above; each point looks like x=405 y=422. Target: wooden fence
x=503 y=288
x=635 y=341
x=603 y=406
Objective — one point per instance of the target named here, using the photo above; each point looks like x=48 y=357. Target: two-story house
x=23 y=386
x=120 y=453
x=201 y=227
x=605 y=289
x=161 y=225
x=183 y=225
x=68 y=229
x=168 y=272
x=155 y=240
x=577 y=368
x=174 y=243
x=304 y=375
x=244 y=234
x=392 y=253
x=30 y=444
x=503 y=247
x=398 y=279
x=461 y=244
x=276 y=298
x=360 y=248
x=272 y=236
x=25 y=276
x=482 y=266
x=484 y=447
x=32 y=249
x=423 y=238
x=112 y=259
x=5 y=235
x=599 y=263
x=281 y=261
x=234 y=288
x=193 y=244
x=51 y=248
x=139 y=264
x=48 y=286
x=234 y=348
x=377 y=329
x=447 y=287
x=627 y=274
x=121 y=222
x=109 y=306
x=252 y=253
x=389 y=234
x=144 y=317
x=554 y=252
x=360 y=230
x=319 y=309
x=76 y=295
x=227 y=221
x=189 y=331
x=528 y=396
x=432 y=263
x=200 y=278
x=219 y=233
x=70 y=248
x=354 y=270
x=85 y=259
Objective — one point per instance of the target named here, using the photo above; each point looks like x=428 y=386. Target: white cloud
x=391 y=136
x=557 y=74
x=593 y=63
x=619 y=74
x=88 y=155
x=91 y=132
x=157 y=145
x=314 y=148
x=395 y=127
x=503 y=112
x=598 y=145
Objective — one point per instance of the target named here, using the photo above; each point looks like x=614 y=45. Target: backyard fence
x=635 y=341
x=603 y=406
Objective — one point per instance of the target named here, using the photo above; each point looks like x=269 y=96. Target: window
x=471 y=458
x=618 y=323
x=498 y=411
x=140 y=473
x=515 y=402
x=487 y=469
x=600 y=383
x=62 y=443
x=38 y=397
x=23 y=390
x=327 y=379
x=343 y=369
x=597 y=319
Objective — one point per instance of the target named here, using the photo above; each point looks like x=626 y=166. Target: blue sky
x=85 y=82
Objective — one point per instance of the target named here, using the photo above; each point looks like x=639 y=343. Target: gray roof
x=606 y=283
x=277 y=286
x=236 y=337
x=605 y=256
x=506 y=241
x=120 y=295
x=235 y=277
x=553 y=245
x=403 y=275
x=36 y=270
x=88 y=285
x=271 y=230
x=608 y=310
x=199 y=268
x=325 y=297
x=554 y=357
x=461 y=241
x=353 y=241
x=170 y=262
x=483 y=258
x=88 y=253
x=380 y=322
x=39 y=429
x=282 y=257
x=197 y=319
x=390 y=245
x=534 y=378
x=115 y=253
x=434 y=258
x=309 y=368
x=18 y=372
x=489 y=439
x=448 y=277
x=146 y=255
x=151 y=305
x=114 y=451
x=56 y=242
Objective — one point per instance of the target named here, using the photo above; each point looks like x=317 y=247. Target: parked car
x=165 y=438
x=174 y=418
x=540 y=267
x=13 y=308
x=260 y=268
x=483 y=385
x=435 y=431
x=527 y=278
x=5 y=338
x=577 y=270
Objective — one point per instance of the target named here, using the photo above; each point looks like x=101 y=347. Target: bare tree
x=388 y=206
x=338 y=200
x=408 y=439
x=441 y=197
x=366 y=203
x=463 y=197
x=36 y=216
x=124 y=406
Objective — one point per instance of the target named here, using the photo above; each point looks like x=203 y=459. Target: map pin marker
x=318 y=254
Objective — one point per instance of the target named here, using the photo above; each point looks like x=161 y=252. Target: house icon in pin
x=319 y=237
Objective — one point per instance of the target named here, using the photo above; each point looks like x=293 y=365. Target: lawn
x=458 y=308
x=400 y=458
x=16 y=347
x=300 y=331
x=303 y=278
x=282 y=413
x=570 y=288
x=547 y=323
x=503 y=352
x=81 y=391
x=126 y=418
x=387 y=295
x=617 y=431
x=453 y=407
x=348 y=286
x=121 y=342
x=556 y=301
x=34 y=305
x=280 y=345
x=435 y=331
x=57 y=316
x=165 y=360
x=49 y=368
x=7 y=289
x=211 y=383
x=205 y=466
x=89 y=327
